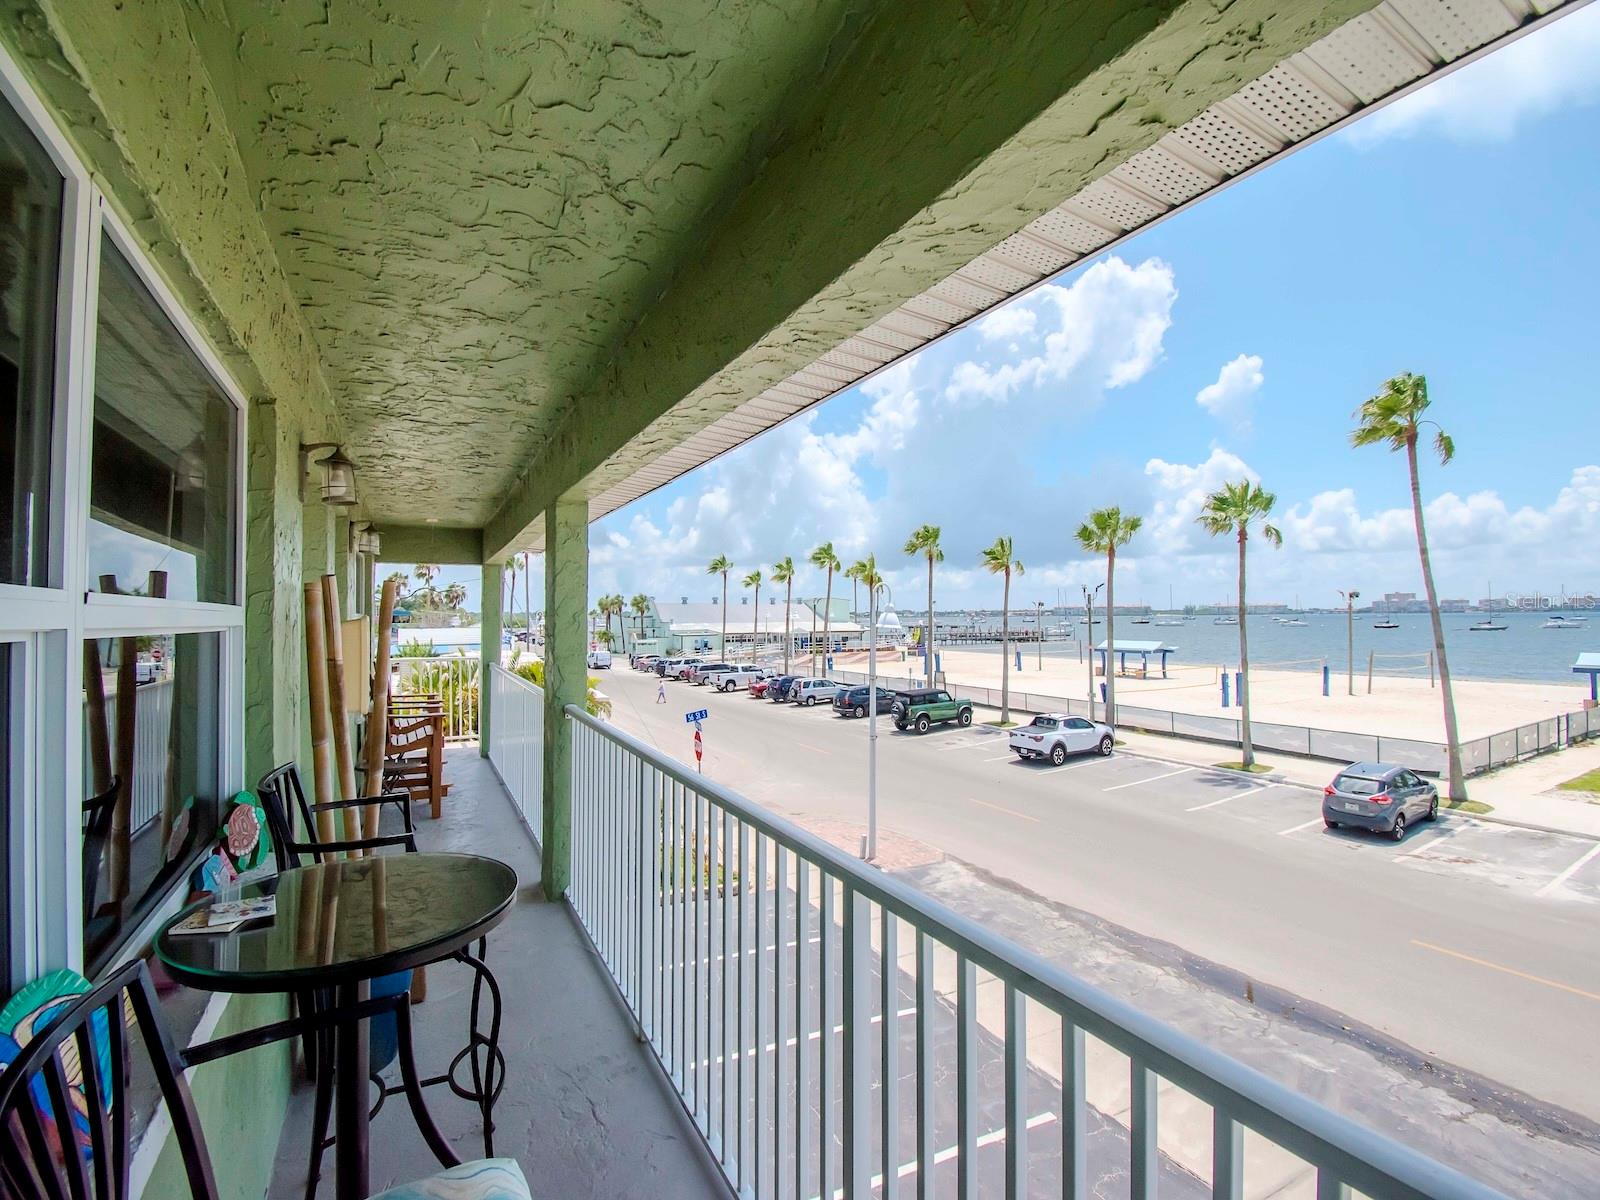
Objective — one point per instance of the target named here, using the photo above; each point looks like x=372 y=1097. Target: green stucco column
x=566 y=674
x=274 y=638
x=490 y=652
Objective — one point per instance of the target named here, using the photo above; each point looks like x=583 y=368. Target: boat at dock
x=1557 y=621
x=1488 y=625
x=1386 y=624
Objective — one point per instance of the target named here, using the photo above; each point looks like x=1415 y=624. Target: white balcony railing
x=832 y=1032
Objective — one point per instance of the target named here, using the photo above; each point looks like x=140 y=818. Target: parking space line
x=1072 y=766
x=1298 y=828
x=1494 y=966
x=978 y=744
x=1006 y=757
x=1010 y=812
x=1213 y=803
x=1118 y=787
x=1570 y=871
x=813 y=749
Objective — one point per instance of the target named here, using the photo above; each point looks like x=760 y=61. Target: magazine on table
x=224 y=916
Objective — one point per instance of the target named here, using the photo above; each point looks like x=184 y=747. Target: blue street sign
x=695 y=717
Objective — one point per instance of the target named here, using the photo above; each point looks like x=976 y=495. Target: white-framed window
x=121 y=567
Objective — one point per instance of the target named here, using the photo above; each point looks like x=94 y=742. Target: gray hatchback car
x=1380 y=797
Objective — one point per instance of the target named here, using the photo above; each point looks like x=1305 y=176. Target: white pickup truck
x=1056 y=735
x=737 y=678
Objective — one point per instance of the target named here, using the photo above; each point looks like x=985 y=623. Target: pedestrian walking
x=661 y=692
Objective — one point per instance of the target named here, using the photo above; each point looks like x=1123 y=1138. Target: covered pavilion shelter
x=1143 y=649
x=290 y=284
x=1589 y=664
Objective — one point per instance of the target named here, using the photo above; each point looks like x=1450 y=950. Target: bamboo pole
x=127 y=711
x=378 y=711
x=317 y=694
x=94 y=689
x=344 y=760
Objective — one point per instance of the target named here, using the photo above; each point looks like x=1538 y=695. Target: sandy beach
x=1399 y=706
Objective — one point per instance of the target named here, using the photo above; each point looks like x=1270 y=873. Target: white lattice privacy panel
x=516 y=743
x=1363 y=63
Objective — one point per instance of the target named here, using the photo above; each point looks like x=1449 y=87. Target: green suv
x=925 y=706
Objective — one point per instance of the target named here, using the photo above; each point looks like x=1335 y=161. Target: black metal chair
x=87 y=1155
x=280 y=788
x=97 y=814
x=44 y=1157
x=282 y=795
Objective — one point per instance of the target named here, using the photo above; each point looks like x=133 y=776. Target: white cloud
x=1229 y=399
x=1488 y=100
x=1105 y=327
x=1009 y=321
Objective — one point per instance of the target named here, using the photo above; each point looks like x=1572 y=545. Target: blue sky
x=1451 y=234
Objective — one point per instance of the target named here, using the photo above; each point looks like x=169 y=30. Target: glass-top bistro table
x=338 y=926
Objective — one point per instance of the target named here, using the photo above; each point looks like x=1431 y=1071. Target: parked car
x=852 y=701
x=665 y=665
x=645 y=662
x=1380 y=797
x=758 y=687
x=683 y=666
x=738 y=677
x=929 y=706
x=698 y=672
x=778 y=688
x=599 y=660
x=1056 y=735
x=808 y=691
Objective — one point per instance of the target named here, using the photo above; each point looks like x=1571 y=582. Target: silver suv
x=810 y=691
x=1380 y=797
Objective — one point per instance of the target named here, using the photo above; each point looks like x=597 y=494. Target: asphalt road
x=1473 y=943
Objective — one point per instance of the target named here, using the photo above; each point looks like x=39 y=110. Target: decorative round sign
x=33 y=1008
x=244 y=832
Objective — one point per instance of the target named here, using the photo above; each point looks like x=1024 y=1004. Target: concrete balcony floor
x=583 y=1110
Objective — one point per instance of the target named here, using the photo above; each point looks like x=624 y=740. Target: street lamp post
x=1350 y=599
x=873 y=587
x=1039 y=604
x=1088 y=610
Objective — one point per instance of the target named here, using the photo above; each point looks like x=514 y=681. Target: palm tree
x=1394 y=417
x=1104 y=531
x=754 y=580
x=455 y=595
x=783 y=572
x=1230 y=509
x=641 y=608
x=999 y=559
x=721 y=565
x=426 y=573
x=824 y=559
x=924 y=540
x=609 y=605
x=853 y=574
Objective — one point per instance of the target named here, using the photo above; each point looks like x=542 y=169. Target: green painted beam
x=948 y=127
x=566 y=676
x=431 y=543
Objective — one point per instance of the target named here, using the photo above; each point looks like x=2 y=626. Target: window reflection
x=151 y=772
x=161 y=492
x=30 y=238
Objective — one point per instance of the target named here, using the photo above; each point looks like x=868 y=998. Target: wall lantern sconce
x=338 y=473
x=367 y=540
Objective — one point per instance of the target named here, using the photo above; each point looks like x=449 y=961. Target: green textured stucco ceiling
x=474 y=203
